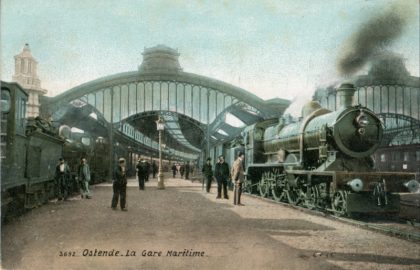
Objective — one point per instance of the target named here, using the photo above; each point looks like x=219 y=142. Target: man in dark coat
x=174 y=170
x=182 y=170
x=84 y=179
x=148 y=170
x=119 y=185
x=222 y=175
x=154 y=169
x=208 y=173
x=187 y=170
x=142 y=171
x=62 y=179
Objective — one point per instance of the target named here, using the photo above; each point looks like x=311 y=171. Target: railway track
x=401 y=228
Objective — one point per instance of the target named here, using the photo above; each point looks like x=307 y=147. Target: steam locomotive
x=30 y=149
x=324 y=161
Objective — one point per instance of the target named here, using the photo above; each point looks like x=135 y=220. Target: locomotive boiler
x=324 y=160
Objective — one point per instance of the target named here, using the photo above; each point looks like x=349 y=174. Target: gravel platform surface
x=183 y=227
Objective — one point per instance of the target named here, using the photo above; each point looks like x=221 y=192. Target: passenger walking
x=238 y=177
x=147 y=170
x=62 y=179
x=84 y=179
x=182 y=170
x=154 y=169
x=174 y=170
x=208 y=173
x=187 y=170
x=222 y=175
x=141 y=172
x=119 y=185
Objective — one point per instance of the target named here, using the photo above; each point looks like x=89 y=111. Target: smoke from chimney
x=374 y=35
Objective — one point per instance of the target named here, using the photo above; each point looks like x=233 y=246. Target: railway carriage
x=28 y=155
x=30 y=149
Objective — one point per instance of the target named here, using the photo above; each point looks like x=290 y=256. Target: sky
x=278 y=48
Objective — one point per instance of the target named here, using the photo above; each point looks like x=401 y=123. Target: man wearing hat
x=119 y=185
x=208 y=173
x=62 y=179
x=238 y=177
x=84 y=178
x=142 y=171
x=222 y=175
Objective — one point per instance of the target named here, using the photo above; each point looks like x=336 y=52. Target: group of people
x=222 y=175
x=144 y=169
x=63 y=179
x=184 y=169
x=221 y=172
x=119 y=184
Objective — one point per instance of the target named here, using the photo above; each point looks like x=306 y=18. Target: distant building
x=26 y=76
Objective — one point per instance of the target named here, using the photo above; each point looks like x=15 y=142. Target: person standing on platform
x=208 y=173
x=238 y=176
x=154 y=169
x=222 y=175
x=141 y=169
x=187 y=170
x=62 y=179
x=147 y=171
x=174 y=170
x=84 y=178
x=182 y=170
x=119 y=185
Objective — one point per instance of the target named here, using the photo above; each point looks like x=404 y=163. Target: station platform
x=183 y=227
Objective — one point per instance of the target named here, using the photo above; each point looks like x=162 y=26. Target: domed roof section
x=160 y=58
x=26 y=52
x=310 y=107
x=389 y=65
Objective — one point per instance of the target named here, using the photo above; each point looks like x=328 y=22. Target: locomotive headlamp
x=362 y=120
x=356 y=184
x=412 y=186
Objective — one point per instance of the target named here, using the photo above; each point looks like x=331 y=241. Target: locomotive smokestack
x=345 y=94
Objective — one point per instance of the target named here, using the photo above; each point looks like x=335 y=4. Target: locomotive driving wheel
x=339 y=203
x=277 y=189
x=292 y=195
x=247 y=187
x=312 y=200
x=264 y=184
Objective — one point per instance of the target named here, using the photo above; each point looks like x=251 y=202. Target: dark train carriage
x=28 y=156
x=99 y=161
x=400 y=158
x=43 y=152
x=13 y=143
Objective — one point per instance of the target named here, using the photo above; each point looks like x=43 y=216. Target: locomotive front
x=351 y=132
x=355 y=131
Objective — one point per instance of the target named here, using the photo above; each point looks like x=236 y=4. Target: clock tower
x=26 y=76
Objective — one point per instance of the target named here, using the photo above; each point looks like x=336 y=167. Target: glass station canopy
x=195 y=108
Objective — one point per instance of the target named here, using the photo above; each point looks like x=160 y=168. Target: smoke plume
x=374 y=35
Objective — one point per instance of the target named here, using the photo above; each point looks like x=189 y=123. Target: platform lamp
x=160 y=125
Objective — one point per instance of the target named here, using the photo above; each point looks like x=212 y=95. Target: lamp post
x=160 y=125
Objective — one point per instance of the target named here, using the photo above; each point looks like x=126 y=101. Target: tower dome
x=160 y=59
x=26 y=74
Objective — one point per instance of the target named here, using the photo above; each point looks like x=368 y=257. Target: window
x=406 y=156
x=22 y=111
x=5 y=101
x=395 y=156
x=383 y=158
x=417 y=155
